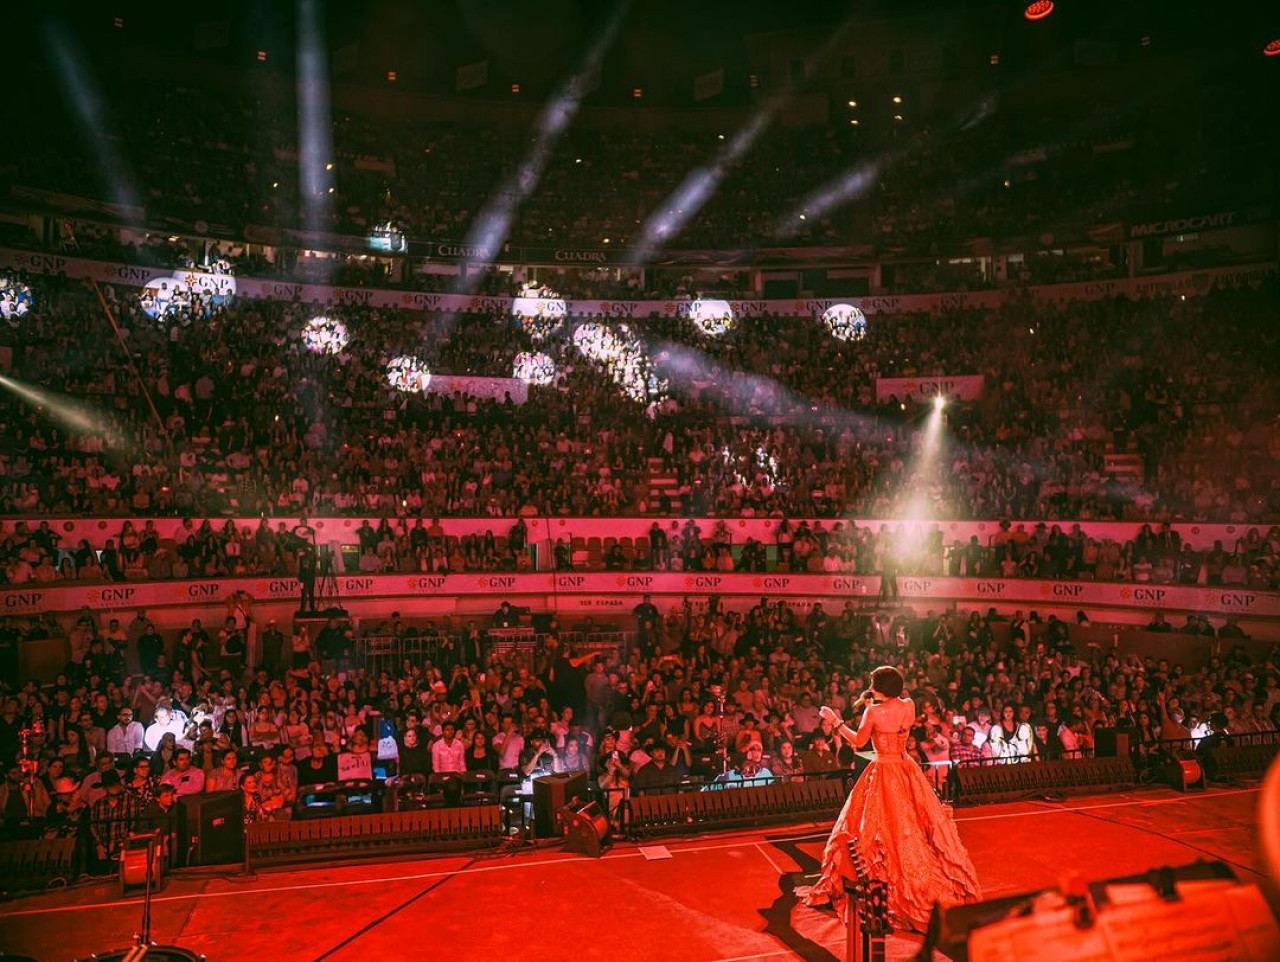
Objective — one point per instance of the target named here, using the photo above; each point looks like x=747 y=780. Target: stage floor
x=717 y=897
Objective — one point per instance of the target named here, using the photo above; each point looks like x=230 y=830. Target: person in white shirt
x=449 y=754
x=508 y=743
x=166 y=721
x=126 y=737
x=185 y=778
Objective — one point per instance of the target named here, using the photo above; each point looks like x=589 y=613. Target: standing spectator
x=448 y=754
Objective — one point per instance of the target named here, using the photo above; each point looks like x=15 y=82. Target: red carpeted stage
x=715 y=897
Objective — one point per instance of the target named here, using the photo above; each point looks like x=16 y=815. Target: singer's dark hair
x=888 y=681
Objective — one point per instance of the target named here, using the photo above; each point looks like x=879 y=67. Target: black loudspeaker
x=552 y=793
x=214 y=829
x=586 y=829
x=1111 y=742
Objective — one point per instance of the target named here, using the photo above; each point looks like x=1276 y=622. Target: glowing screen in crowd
x=387 y=237
x=409 y=374
x=534 y=366
x=714 y=318
x=539 y=311
x=15 y=299
x=325 y=335
x=845 y=322
x=187 y=295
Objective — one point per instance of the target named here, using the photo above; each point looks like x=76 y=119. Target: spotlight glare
x=845 y=322
x=897 y=99
x=714 y=318
x=325 y=335
x=939 y=403
x=15 y=299
x=539 y=311
x=533 y=366
x=409 y=374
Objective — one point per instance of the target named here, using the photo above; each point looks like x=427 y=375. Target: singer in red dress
x=894 y=819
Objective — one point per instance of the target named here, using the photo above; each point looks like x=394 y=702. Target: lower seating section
x=1002 y=783
x=372 y=836
x=715 y=807
x=36 y=863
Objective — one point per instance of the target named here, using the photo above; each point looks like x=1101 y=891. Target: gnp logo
x=421 y=300
x=917 y=586
x=203 y=591
x=703 y=581
x=990 y=587
x=112 y=595
x=1237 y=599
x=497 y=582
x=348 y=295
x=23 y=600
x=428 y=582
x=1062 y=591
x=635 y=581
x=846 y=584
x=570 y=581
x=358 y=584
x=280 y=586
x=775 y=583
x=1142 y=594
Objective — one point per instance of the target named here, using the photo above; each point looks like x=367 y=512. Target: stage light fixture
x=1038 y=10
x=1272 y=49
x=262 y=56
x=897 y=99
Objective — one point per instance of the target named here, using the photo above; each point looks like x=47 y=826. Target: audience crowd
x=698 y=692
x=234 y=416
x=219 y=156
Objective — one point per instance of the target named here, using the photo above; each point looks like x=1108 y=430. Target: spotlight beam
x=60 y=408
x=701 y=184
x=85 y=99
x=315 y=140
x=491 y=227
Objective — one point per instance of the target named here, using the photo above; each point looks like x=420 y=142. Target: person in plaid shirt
x=963 y=749
x=112 y=818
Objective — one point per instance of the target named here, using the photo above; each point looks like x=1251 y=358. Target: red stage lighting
x=1038 y=10
x=1272 y=49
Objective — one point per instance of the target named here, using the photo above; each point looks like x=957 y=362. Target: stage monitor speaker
x=1183 y=771
x=214 y=829
x=586 y=829
x=1111 y=742
x=552 y=793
